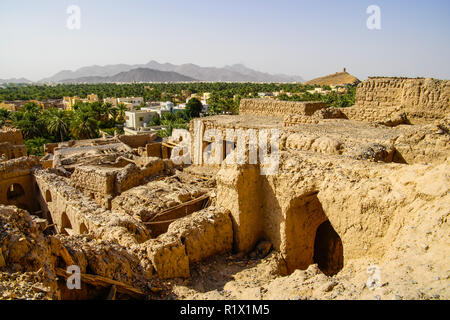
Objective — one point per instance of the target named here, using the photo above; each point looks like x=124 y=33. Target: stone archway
x=66 y=225
x=310 y=238
x=14 y=192
x=83 y=229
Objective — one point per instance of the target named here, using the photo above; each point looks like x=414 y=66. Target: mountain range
x=155 y=72
x=15 y=80
x=134 y=75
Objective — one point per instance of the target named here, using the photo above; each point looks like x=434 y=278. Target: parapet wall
x=139 y=140
x=421 y=99
x=11 y=144
x=17 y=167
x=13 y=136
x=275 y=108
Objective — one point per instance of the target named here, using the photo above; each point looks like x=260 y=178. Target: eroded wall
x=266 y=107
x=423 y=100
x=365 y=204
x=11 y=144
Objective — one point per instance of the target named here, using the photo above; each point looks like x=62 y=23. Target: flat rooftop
x=244 y=121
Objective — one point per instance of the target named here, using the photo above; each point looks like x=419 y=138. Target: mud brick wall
x=12 y=136
x=94 y=180
x=140 y=140
x=266 y=107
x=371 y=114
x=422 y=100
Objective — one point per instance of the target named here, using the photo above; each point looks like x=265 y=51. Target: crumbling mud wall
x=422 y=100
x=140 y=140
x=13 y=136
x=162 y=201
x=191 y=239
x=238 y=191
x=34 y=262
x=9 y=151
x=363 y=205
x=319 y=115
x=103 y=182
x=11 y=144
x=263 y=107
x=75 y=213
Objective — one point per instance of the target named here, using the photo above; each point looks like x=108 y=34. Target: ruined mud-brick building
x=346 y=181
x=11 y=144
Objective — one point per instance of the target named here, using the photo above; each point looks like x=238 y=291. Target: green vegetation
x=193 y=108
x=333 y=99
x=170 y=121
x=53 y=125
x=88 y=119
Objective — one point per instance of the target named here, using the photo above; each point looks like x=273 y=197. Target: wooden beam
x=99 y=281
x=177 y=207
x=168 y=145
x=112 y=293
x=200 y=177
x=66 y=256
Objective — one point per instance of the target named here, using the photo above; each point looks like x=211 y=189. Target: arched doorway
x=66 y=225
x=83 y=229
x=328 y=249
x=15 y=191
x=48 y=196
x=310 y=238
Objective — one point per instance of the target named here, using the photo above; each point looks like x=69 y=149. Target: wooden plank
x=159 y=227
x=168 y=145
x=177 y=207
x=200 y=177
x=99 y=281
x=112 y=293
x=65 y=255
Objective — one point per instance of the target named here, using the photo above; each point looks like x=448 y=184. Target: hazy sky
x=306 y=38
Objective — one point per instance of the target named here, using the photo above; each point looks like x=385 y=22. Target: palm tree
x=106 y=111
x=36 y=145
x=122 y=108
x=29 y=121
x=5 y=115
x=84 y=126
x=114 y=112
x=57 y=123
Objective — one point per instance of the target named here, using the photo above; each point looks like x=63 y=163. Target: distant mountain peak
x=14 y=80
x=338 y=78
x=134 y=75
x=234 y=73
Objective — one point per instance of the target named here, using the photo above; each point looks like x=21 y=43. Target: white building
x=137 y=119
x=160 y=108
x=134 y=101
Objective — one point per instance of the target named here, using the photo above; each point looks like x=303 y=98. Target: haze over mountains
x=165 y=72
x=134 y=75
x=15 y=80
